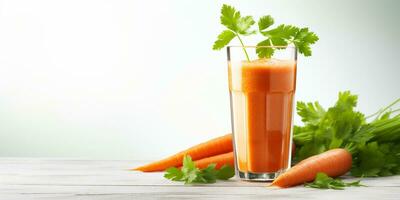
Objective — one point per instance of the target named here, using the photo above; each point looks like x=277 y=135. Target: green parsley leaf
x=265 y=22
x=210 y=173
x=282 y=31
x=343 y=120
x=263 y=51
x=244 y=24
x=237 y=25
x=310 y=112
x=232 y=20
x=323 y=181
x=173 y=173
x=284 y=35
x=346 y=101
x=223 y=39
x=276 y=41
x=230 y=17
x=279 y=37
x=189 y=173
x=328 y=129
x=189 y=170
x=303 y=39
x=225 y=172
x=377 y=159
x=188 y=164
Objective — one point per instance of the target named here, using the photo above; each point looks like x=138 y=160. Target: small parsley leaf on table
x=323 y=181
x=189 y=173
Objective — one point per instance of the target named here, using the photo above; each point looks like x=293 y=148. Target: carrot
x=335 y=162
x=220 y=160
x=209 y=148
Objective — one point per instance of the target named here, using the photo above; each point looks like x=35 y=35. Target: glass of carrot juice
x=262 y=98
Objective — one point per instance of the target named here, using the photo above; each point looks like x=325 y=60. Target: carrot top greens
x=282 y=35
x=375 y=145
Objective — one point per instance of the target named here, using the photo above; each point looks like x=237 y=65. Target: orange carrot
x=220 y=160
x=335 y=162
x=212 y=147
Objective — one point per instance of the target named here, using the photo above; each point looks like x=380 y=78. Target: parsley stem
x=383 y=110
x=244 y=49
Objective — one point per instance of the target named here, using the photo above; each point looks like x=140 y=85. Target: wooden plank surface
x=96 y=179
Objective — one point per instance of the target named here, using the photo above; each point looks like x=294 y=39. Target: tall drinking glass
x=262 y=98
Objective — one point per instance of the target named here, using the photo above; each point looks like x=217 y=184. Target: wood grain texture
x=96 y=179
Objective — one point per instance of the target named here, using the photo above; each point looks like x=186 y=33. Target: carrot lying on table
x=216 y=146
x=220 y=160
x=334 y=162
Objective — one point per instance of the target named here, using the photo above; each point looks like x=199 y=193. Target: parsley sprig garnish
x=189 y=173
x=279 y=37
x=323 y=181
x=236 y=25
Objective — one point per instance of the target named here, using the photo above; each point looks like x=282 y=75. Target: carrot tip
x=213 y=147
x=135 y=169
x=273 y=186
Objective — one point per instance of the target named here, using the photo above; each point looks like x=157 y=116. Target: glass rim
x=252 y=46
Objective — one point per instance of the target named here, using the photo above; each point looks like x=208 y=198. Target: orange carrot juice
x=262 y=97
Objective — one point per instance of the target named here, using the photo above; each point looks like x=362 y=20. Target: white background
x=138 y=79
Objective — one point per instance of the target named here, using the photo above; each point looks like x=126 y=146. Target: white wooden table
x=93 y=179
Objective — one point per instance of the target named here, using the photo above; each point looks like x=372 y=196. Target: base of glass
x=249 y=176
